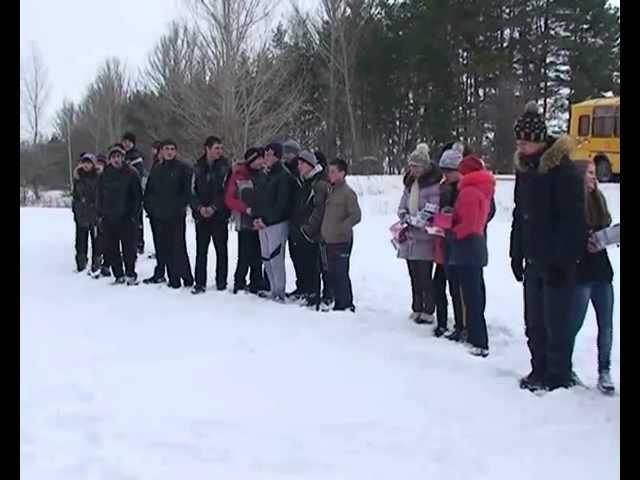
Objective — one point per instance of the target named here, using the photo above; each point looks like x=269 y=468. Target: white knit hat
x=420 y=156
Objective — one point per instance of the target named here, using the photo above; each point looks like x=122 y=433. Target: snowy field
x=144 y=383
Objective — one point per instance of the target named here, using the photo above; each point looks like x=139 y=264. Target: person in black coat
x=271 y=214
x=547 y=239
x=306 y=222
x=166 y=199
x=85 y=212
x=210 y=213
x=119 y=202
x=160 y=269
x=135 y=159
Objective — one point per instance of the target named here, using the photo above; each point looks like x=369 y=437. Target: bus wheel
x=603 y=169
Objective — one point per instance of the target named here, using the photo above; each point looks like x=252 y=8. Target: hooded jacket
x=85 y=193
x=238 y=196
x=119 y=194
x=134 y=158
x=466 y=243
x=548 y=226
x=208 y=189
x=309 y=204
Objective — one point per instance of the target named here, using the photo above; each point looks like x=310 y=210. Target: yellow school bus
x=595 y=126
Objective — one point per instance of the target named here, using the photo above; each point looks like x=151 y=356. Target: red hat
x=470 y=164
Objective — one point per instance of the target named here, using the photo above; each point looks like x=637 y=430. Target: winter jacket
x=295 y=182
x=208 y=189
x=466 y=242
x=548 y=226
x=341 y=214
x=272 y=195
x=238 y=197
x=309 y=205
x=168 y=190
x=119 y=194
x=596 y=267
x=85 y=193
x=419 y=244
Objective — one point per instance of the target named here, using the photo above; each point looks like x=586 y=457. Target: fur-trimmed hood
x=556 y=150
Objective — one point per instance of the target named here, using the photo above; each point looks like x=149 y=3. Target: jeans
x=420 y=272
x=601 y=296
x=338 y=256
x=83 y=235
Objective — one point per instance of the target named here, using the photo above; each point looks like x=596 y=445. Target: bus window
x=616 y=132
x=584 y=125
x=603 y=122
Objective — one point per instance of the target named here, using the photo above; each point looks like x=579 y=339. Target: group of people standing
x=280 y=195
x=443 y=216
x=275 y=195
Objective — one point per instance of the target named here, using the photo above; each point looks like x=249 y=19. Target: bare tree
x=102 y=110
x=34 y=92
x=65 y=121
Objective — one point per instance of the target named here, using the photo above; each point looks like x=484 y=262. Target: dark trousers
x=161 y=267
x=140 y=233
x=473 y=301
x=549 y=324
x=172 y=248
x=421 y=286
x=295 y=248
x=83 y=234
x=120 y=243
x=439 y=285
x=249 y=261
x=600 y=294
x=101 y=243
x=443 y=276
x=338 y=256
x=309 y=268
x=205 y=232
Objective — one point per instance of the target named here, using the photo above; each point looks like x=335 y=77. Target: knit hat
x=322 y=159
x=530 y=127
x=450 y=159
x=420 y=156
x=87 y=157
x=291 y=147
x=168 y=142
x=252 y=154
x=276 y=148
x=129 y=136
x=116 y=148
x=101 y=158
x=470 y=164
x=308 y=157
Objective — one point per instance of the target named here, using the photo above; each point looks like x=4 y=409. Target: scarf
x=414 y=198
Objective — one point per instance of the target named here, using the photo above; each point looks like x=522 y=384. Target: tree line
x=365 y=80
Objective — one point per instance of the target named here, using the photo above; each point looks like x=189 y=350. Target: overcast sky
x=75 y=36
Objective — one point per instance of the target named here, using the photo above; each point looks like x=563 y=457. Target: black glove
x=518 y=269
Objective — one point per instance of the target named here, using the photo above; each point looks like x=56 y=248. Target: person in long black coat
x=547 y=239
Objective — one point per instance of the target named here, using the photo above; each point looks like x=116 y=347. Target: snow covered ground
x=127 y=383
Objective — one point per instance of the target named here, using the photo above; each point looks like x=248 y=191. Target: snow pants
x=273 y=241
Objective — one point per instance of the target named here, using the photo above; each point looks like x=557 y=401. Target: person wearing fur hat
x=548 y=235
x=467 y=251
x=85 y=213
x=419 y=202
x=118 y=202
x=239 y=198
x=305 y=226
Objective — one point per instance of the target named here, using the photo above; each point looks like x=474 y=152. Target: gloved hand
x=517 y=268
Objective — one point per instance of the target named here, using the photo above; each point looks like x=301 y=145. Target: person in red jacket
x=467 y=246
x=238 y=198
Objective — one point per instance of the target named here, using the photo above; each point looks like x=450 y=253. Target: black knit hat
x=129 y=136
x=276 y=148
x=531 y=127
x=252 y=154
